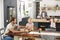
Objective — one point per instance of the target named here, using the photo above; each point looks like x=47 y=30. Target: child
x=52 y=25
x=30 y=25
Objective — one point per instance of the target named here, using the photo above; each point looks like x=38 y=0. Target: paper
x=34 y=33
x=20 y=38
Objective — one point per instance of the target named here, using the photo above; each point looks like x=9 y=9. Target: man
x=10 y=27
x=43 y=13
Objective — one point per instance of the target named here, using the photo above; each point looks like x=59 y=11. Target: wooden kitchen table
x=22 y=35
x=25 y=35
x=34 y=34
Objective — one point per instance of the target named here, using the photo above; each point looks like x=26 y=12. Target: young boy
x=53 y=24
x=30 y=25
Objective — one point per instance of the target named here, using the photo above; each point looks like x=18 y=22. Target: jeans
x=8 y=38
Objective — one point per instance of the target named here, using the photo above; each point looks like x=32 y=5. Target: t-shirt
x=29 y=26
x=9 y=26
x=43 y=14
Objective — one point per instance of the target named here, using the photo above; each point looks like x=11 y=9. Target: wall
x=18 y=12
x=32 y=9
x=1 y=14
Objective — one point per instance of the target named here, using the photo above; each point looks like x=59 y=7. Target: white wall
x=1 y=14
x=32 y=10
x=18 y=12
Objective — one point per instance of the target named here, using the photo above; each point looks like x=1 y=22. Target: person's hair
x=12 y=19
x=29 y=19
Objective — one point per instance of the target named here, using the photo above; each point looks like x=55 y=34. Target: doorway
x=10 y=12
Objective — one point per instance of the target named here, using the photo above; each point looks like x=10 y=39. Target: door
x=11 y=12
